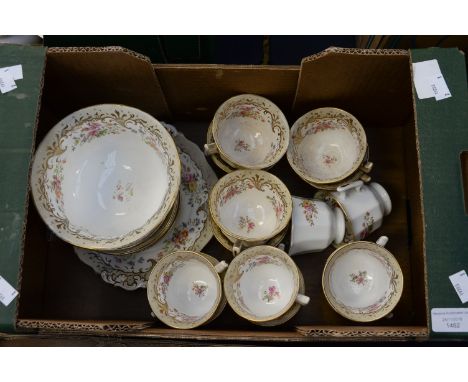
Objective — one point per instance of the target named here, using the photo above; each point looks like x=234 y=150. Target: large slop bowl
x=105 y=177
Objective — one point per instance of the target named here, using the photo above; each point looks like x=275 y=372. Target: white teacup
x=362 y=281
x=315 y=225
x=250 y=207
x=249 y=131
x=327 y=146
x=262 y=283
x=364 y=207
x=184 y=289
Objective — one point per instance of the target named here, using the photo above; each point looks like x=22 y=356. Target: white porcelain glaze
x=327 y=145
x=262 y=283
x=362 y=281
x=364 y=205
x=184 y=289
x=250 y=205
x=91 y=188
x=249 y=132
x=315 y=226
x=191 y=230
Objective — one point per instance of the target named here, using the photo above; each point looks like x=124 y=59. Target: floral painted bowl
x=249 y=132
x=362 y=281
x=105 y=177
x=250 y=206
x=262 y=283
x=327 y=145
x=184 y=289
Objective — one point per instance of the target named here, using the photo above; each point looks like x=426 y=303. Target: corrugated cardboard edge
x=364 y=332
x=335 y=50
x=418 y=152
x=145 y=329
x=82 y=326
x=119 y=49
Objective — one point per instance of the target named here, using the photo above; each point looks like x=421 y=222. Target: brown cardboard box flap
x=80 y=77
x=370 y=84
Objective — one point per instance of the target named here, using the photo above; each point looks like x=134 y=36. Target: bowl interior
x=90 y=184
x=251 y=209
x=327 y=148
x=265 y=287
x=251 y=133
x=105 y=187
x=189 y=289
x=361 y=281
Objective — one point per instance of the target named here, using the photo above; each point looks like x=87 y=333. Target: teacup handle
x=210 y=149
x=302 y=299
x=356 y=184
x=365 y=178
x=382 y=241
x=221 y=267
x=236 y=248
x=367 y=168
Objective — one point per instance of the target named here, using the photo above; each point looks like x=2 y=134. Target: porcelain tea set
x=92 y=186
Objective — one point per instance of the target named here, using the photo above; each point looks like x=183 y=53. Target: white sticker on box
x=429 y=81
x=446 y=320
x=7 y=83
x=460 y=283
x=16 y=71
x=7 y=292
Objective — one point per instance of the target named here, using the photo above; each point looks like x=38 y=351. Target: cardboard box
x=59 y=294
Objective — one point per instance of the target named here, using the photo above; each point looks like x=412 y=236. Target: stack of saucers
x=107 y=178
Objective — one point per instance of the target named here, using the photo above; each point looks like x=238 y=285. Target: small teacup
x=362 y=281
x=262 y=283
x=315 y=225
x=364 y=206
x=184 y=289
x=249 y=132
x=250 y=207
x=328 y=145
